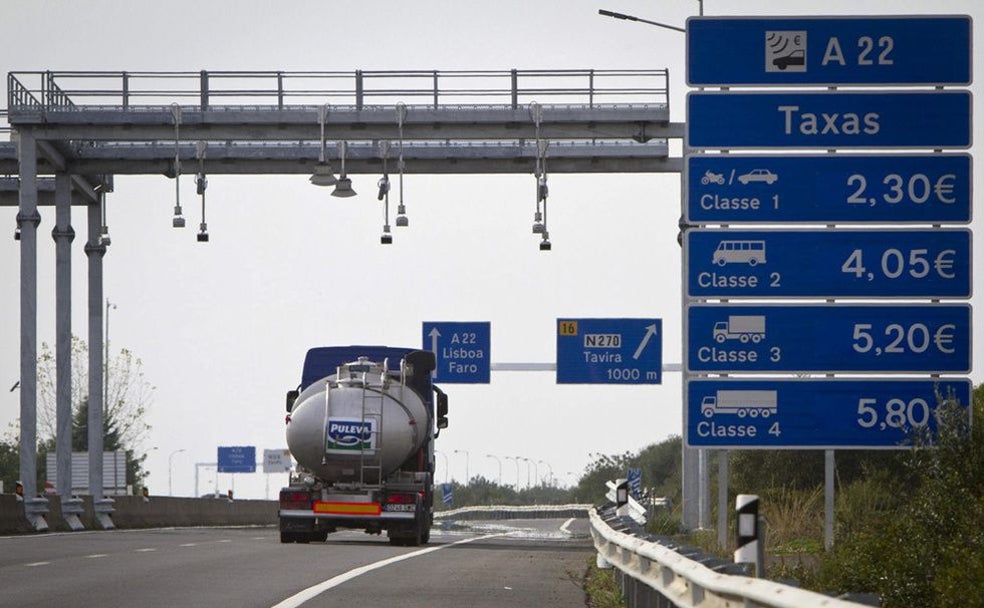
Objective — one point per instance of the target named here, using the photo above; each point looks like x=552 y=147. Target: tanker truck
x=361 y=426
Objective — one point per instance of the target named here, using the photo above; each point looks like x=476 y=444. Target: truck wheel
x=425 y=537
x=287 y=537
x=320 y=536
x=417 y=537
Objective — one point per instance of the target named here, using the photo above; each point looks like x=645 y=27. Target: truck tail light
x=401 y=499
x=294 y=500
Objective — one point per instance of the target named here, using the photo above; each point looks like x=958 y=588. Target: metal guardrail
x=509 y=512
x=658 y=573
x=71 y=90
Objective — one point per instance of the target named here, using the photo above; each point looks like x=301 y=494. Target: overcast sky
x=222 y=327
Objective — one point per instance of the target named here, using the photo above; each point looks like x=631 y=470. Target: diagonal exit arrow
x=434 y=335
x=650 y=332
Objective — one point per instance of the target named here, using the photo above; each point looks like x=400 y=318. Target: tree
x=129 y=394
x=929 y=550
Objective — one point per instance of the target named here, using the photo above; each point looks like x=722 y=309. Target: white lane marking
x=225 y=540
x=189 y=545
x=145 y=550
x=311 y=592
x=95 y=555
x=36 y=564
x=565 y=528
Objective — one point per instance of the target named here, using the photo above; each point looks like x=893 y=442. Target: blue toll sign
x=822 y=413
x=828 y=188
x=932 y=263
x=463 y=351
x=784 y=51
x=237 y=459
x=609 y=351
x=829 y=119
x=829 y=338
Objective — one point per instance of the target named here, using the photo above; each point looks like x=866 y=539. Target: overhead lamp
x=201 y=184
x=343 y=188
x=402 y=221
x=17 y=233
x=383 y=195
x=104 y=229
x=177 y=221
x=323 y=174
x=545 y=243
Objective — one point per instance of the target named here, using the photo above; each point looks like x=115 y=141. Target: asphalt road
x=504 y=563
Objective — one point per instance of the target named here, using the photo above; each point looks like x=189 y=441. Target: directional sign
x=828 y=263
x=237 y=459
x=929 y=338
x=929 y=50
x=829 y=119
x=842 y=188
x=634 y=478
x=462 y=349
x=819 y=414
x=277 y=461
x=609 y=351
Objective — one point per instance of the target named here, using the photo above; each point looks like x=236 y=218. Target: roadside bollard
x=749 y=547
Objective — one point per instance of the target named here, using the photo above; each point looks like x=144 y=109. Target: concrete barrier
x=157 y=512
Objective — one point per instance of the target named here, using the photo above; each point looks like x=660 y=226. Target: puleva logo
x=350 y=434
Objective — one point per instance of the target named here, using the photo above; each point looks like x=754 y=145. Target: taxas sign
x=829 y=119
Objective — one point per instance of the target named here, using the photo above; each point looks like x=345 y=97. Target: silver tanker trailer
x=361 y=427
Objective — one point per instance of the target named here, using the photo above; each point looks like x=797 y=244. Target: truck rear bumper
x=348 y=517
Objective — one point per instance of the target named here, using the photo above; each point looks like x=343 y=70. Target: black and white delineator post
x=749 y=549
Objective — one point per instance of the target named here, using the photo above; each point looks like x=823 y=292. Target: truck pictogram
x=740 y=327
x=743 y=403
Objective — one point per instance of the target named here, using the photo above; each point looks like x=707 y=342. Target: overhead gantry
x=84 y=128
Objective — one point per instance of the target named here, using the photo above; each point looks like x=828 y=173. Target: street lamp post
x=106 y=360
x=170 y=460
x=445 y=457
x=515 y=458
x=465 y=452
x=550 y=477
x=536 y=471
x=500 y=466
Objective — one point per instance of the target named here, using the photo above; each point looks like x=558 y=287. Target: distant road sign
x=817 y=414
x=828 y=263
x=831 y=338
x=842 y=188
x=609 y=351
x=463 y=351
x=277 y=461
x=784 y=51
x=829 y=119
x=237 y=459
